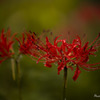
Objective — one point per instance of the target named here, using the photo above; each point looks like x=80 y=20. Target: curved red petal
x=77 y=72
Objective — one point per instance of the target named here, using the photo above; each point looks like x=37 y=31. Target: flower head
x=6 y=42
x=65 y=54
x=81 y=55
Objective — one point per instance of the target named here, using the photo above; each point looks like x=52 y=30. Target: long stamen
x=88 y=69
x=95 y=40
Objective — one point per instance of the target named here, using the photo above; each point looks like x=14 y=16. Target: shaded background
x=59 y=16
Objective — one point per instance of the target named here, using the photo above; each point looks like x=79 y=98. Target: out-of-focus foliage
x=39 y=82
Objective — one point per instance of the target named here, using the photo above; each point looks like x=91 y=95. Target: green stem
x=13 y=68
x=18 y=78
x=65 y=83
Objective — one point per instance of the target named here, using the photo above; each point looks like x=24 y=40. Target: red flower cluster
x=6 y=42
x=65 y=54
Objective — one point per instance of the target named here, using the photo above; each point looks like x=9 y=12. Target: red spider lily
x=67 y=55
x=81 y=55
x=28 y=44
x=25 y=46
x=6 y=42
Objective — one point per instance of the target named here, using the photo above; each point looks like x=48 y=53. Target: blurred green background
x=39 y=82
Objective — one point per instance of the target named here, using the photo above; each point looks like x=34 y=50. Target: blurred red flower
x=65 y=54
x=6 y=42
x=89 y=12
